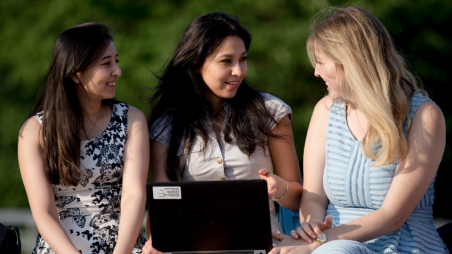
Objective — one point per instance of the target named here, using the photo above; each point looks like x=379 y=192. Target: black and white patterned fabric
x=90 y=212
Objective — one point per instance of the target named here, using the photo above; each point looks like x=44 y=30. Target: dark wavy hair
x=180 y=96
x=76 y=49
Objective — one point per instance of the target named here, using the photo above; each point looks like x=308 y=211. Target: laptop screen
x=210 y=216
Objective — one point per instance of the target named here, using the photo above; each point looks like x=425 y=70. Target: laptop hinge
x=219 y=252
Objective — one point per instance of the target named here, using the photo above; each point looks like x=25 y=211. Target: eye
x=106 y=63
x=225 y=61
x=117 y=61
x=243 y=58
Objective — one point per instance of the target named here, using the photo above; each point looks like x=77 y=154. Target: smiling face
x=98 y=81
x=326 y=69
x=224 y=70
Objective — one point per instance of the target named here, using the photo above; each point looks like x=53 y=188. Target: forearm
x=312 y=206
x=50 y=229
x=132 y=214
x=292 y=198
x=365 y=228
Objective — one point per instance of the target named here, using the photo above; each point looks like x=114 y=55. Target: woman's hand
x=273 y=181
x=148 y=249
x=290 y=245
x=312 y=229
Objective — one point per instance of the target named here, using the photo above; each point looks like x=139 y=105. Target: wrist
x=282 y=192
x=314 y=245
x=322 y=239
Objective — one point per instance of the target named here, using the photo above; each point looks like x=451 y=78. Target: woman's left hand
x=272 y=182
x=290 y=245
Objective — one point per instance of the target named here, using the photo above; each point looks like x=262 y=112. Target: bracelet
x=322 y=239
x=287 y=187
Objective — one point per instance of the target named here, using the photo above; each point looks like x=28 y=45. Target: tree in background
x=146 y=33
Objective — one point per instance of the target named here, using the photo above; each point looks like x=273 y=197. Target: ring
x=280 y=238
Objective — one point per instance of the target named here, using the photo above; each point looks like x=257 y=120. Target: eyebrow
x=230 y=55
x=105 y=57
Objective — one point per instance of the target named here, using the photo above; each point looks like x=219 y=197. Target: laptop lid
x=210 y=216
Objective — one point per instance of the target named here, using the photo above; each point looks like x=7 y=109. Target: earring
x=77 y=80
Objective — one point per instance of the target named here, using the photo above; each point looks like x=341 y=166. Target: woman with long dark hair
x=208 y=124
x=84 y=156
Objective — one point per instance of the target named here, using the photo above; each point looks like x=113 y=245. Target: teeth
x=233 y=83
x=327 y=83
x=111 y=83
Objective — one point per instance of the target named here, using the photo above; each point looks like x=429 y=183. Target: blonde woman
x=373 y=146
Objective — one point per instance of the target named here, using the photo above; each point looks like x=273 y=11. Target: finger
x=294 y=234
x=316 y=228
x=275 y=250
x=263 y=171
x=303 y=235
x=147 y=248
x=328 y=223
x=283 y=236
x=308 y=229
x=279 y=236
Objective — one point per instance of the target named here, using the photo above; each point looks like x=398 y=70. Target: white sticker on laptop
x=166 y=192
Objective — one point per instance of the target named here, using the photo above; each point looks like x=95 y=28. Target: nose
x=117 y=71
x=238 y=70
x=316 y=72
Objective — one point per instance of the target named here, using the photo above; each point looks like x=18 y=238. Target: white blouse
x=225 y=161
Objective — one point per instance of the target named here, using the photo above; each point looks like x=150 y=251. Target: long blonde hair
x=376 y=79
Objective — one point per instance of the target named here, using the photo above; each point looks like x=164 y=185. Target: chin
x=230 y=96
x=334 y=96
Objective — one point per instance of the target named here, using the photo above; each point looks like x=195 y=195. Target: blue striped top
x=355 y=188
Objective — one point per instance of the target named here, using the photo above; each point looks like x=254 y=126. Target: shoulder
x=429 y=115
x=323 y=107
x=135 y=114
x=271 y=99
x=120 y=108
x=276 y=106
x=30 y=130
x=164 y=119
x=31 y=123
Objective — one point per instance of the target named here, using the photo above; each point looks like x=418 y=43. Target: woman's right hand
x=148 y=249
x=310 y=230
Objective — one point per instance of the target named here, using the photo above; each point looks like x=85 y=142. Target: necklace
x=94 y=125
x=362 y=131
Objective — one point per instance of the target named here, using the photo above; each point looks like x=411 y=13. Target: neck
x=217 y=103
x=90 y=110
x=90 y=106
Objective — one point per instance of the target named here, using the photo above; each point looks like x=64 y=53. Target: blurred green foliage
x=147 y=32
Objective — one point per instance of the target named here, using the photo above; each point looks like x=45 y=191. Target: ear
x=75 y=79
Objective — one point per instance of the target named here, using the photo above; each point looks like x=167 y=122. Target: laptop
x=210 y=217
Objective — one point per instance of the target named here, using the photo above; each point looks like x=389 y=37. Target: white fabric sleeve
x=161 y=130
x=276 y=107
